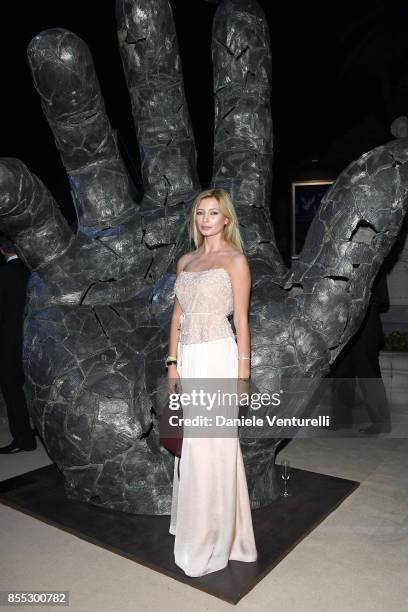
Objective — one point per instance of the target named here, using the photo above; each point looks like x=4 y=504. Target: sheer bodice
x=206 y=300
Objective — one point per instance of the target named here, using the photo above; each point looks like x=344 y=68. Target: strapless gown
x=210 y=513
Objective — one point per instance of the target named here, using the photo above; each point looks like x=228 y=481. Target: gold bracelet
x=244 y=357
x=171 y=356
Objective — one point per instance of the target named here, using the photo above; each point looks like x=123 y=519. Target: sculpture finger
x=149 y=50
x=65 y=78
x=243 y=138
x=354 y=230
x=30 y=217
x=73 y=269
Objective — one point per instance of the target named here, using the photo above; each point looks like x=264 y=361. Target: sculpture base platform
x=278 y=527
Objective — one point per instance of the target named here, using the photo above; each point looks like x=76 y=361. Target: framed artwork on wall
x=306 y=197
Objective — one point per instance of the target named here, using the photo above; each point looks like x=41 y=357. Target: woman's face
x=209 y=218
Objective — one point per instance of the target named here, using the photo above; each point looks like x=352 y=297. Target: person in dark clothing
x=14 y=276
x=360 y=359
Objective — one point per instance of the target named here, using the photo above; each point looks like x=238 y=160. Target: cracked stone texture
x=99 y=302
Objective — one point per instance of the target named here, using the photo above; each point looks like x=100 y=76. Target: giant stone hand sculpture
x=100 y=301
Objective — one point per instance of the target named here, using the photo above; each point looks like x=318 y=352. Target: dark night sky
x=312 y=108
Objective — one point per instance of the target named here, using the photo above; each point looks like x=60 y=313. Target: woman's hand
x=173 y=380
x=243 y=392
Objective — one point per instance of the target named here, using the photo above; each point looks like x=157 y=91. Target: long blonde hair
x=231 y=231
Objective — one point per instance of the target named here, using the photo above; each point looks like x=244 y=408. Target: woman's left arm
x=241 y=289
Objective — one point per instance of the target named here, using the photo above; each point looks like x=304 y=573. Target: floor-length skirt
x=210 y=513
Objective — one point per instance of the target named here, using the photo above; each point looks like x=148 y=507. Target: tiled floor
x=356 y=560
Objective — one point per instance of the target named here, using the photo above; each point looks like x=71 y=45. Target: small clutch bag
x=173 y=443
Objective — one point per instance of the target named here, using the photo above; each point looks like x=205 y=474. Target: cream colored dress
x=210 y=513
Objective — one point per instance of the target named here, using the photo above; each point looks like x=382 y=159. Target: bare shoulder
x=183 y=261
x=239 y=264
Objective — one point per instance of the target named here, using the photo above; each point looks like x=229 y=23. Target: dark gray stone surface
x=100 y=301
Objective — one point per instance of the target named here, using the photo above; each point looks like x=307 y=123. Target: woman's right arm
x=174 y=333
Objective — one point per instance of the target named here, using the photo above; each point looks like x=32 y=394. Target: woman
x=211 y=514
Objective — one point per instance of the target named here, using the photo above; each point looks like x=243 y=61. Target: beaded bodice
x=206 y=300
